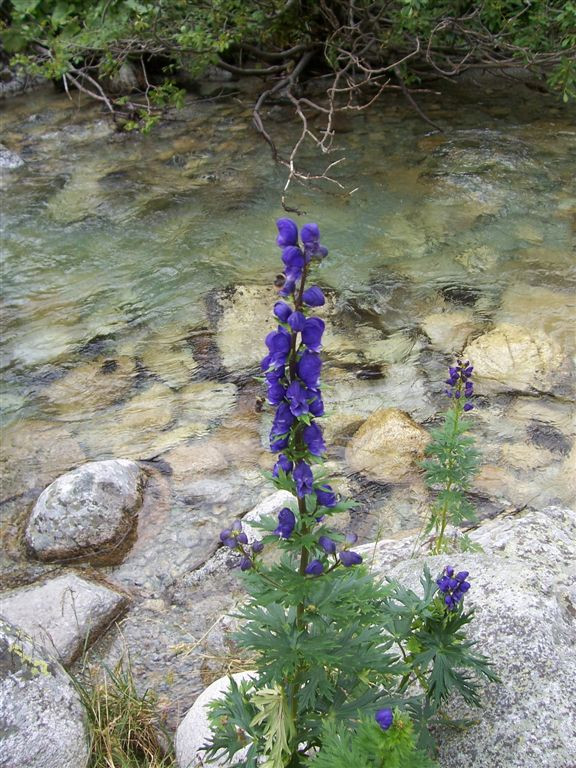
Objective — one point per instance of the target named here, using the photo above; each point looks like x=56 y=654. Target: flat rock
x=40 y=711
x=512 y=358
x=88 y=511
x=387 y=446
x=65 y=614
x=449 y=331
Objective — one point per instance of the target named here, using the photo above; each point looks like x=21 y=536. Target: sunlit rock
x=448 y=331
x=388 y=446
x=88 y=511
x=540 y=309
x=513 y=358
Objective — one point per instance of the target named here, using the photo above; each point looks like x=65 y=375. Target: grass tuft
x=125 y=727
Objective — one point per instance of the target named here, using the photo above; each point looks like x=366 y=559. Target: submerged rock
x=246 y=306
x=88 y=511
x=65 y=614
x=9 y=159
x=387 y=446
x=511 y=358
x=40 y=711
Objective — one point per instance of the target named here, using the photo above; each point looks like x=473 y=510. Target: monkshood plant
x=452 y=462
x=349 y=669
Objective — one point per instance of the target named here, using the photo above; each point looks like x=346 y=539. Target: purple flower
x=314 y=440
x=276 y=392
x=303 y=478
x=233 y=536
x=327 y=544
x=245 y=563
x=278 y=443
x=283 y=419
x=294 y=261
x=384 y=718
x=452 y=587
x=283 y=464
x=312 y=333
x=316 y=405
x=297 y=321
x=288 y=288
x=315 y=568
x=297 y=396
x=282 y=311
x=308 y=369
x=348 y=558
x=311 y=238
x=326 y=496
x=287 y=233
x=313 y=297
x=257 y=546
x=286 y=523
x=468 y=407
x=279 y=343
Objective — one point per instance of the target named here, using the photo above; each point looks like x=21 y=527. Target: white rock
x=194 y=731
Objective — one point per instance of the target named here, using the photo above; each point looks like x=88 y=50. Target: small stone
x=88 y=511
x=387 y=446
x=9 y=160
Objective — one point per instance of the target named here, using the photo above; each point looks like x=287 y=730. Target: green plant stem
x=438 y=545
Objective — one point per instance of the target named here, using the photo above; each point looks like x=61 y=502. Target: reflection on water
x=136 y=293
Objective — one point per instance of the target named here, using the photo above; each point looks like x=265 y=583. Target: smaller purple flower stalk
x=460 y=383
x=452 y=586
x=384 y=718
x=234 y=537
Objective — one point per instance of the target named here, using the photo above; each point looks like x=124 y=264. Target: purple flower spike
x=303 y=478
x=384 y=718
x=287 y=233
x=348 y=558
x=452 y=587
x=282 y=311
x=314 y=440
x=315 y=568
x=286 y=523
x=327 y=544
x=312 y=333
x=313 y=297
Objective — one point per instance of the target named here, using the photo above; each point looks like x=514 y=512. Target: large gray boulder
x=41 y=716
x=88 y=511
x=65 y=614
x=524 y=595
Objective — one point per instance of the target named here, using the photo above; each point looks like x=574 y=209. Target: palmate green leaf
x=278 y=727
x=231 y=726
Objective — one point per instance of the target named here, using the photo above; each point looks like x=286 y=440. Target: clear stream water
x=123 y=335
